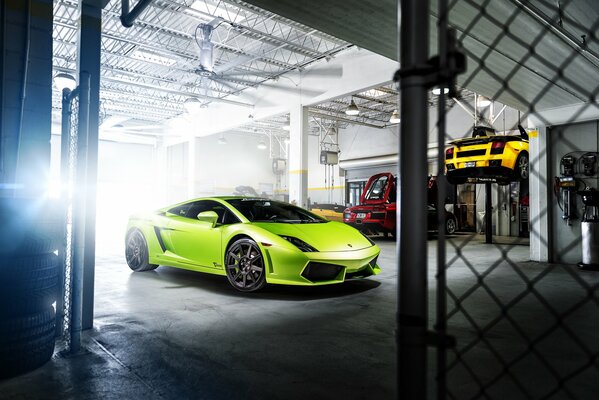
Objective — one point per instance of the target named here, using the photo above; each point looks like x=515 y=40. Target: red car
x=377 y=209
x=376 y=212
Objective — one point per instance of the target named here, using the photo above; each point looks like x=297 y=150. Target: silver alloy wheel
x=450 y=226
x=522 y=166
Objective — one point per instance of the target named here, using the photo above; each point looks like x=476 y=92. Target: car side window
x=200 y=206
x=191 y=211
x=180 y=210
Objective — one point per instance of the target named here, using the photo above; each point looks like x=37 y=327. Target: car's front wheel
x=245 y=266
x=451 y=225
x=136 y=252
x=521 y=167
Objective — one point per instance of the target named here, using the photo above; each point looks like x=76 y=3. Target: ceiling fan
x=226 y=74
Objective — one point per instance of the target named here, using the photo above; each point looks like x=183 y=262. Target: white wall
x=219 y=169
x=127 y=184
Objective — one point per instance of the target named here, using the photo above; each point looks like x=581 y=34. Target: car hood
x=329 y=236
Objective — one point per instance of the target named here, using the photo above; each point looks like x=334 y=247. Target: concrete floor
x=171 y=333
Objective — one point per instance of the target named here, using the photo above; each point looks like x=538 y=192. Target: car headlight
x=300 y=244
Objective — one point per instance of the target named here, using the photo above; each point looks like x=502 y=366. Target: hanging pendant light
x=395 y=118
x=352 y=109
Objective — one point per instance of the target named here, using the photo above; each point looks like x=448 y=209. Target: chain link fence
x=522 y=329
x=71 y=124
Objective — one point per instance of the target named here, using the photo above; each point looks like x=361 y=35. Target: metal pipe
x=79 y=217
x=441 y=325
x=129 y=16
x=412 y=235
x=3 y=30
x=23 y=94
x=568 y=38
x=488 y=214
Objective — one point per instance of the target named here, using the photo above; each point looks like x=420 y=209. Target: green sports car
x=252 y=241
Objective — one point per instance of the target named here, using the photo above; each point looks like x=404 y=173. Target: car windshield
x=263 y=210
x=376 y=191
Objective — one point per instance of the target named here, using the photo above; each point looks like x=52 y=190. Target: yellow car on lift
x=488 y=157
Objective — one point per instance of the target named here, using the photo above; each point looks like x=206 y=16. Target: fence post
x=412 y=231
x=79 y=213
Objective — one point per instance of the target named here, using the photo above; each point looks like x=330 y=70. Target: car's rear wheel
x=136 y=252
x=451 y=225
x=521 y=167
x=245 y=266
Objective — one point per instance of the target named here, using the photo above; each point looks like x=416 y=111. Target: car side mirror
x=208 y=216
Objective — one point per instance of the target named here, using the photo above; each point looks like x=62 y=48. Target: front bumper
x=320 y=268
x=499 y=173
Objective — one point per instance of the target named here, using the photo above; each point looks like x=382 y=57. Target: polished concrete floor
x=171 y=333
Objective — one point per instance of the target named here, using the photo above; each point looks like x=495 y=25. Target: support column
x=539 y=182
x=191 y=167
x=89 y=62
x=298 y=156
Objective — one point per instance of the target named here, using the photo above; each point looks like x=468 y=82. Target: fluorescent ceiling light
x=395 y=117
x=437 y=91
x=261 y=145
x=352 y=109
x=226 y=12
x=154 y=58
x=65 y=81
x=375 y=93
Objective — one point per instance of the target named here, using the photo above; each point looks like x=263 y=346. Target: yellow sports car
x=488 y=157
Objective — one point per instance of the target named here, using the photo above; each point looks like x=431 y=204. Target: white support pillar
x=191 y=167
x=539 y=207
x=298 y=156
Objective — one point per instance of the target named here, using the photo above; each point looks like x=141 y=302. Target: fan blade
x=296 y=90
x=324 y=72
x=233 y=63
x=243 y=94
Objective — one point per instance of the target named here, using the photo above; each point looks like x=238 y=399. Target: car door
x=196 y=242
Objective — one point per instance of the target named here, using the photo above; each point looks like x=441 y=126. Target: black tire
x=136 y=252
x=521 y=168
x=29 y=226
x=244 y=264
x=26 y=342
x=20 y=243
x=29 y=284
x=451 y=225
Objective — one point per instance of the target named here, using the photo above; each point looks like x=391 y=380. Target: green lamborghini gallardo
x=252 y=241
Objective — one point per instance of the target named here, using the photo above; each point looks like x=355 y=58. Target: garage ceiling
x=533 y=75
x=150 y=70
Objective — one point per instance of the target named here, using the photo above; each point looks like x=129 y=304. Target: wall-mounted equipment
x=279 y=166
x=567 y=185
x=567 y=165
x=589 y=162
x=329 y=157
x=590 y=229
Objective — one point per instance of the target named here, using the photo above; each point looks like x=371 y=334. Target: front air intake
x=316 y=271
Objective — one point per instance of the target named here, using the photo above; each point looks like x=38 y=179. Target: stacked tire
x=29 y=284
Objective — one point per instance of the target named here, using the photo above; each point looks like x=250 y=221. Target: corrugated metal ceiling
x=521 y=42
